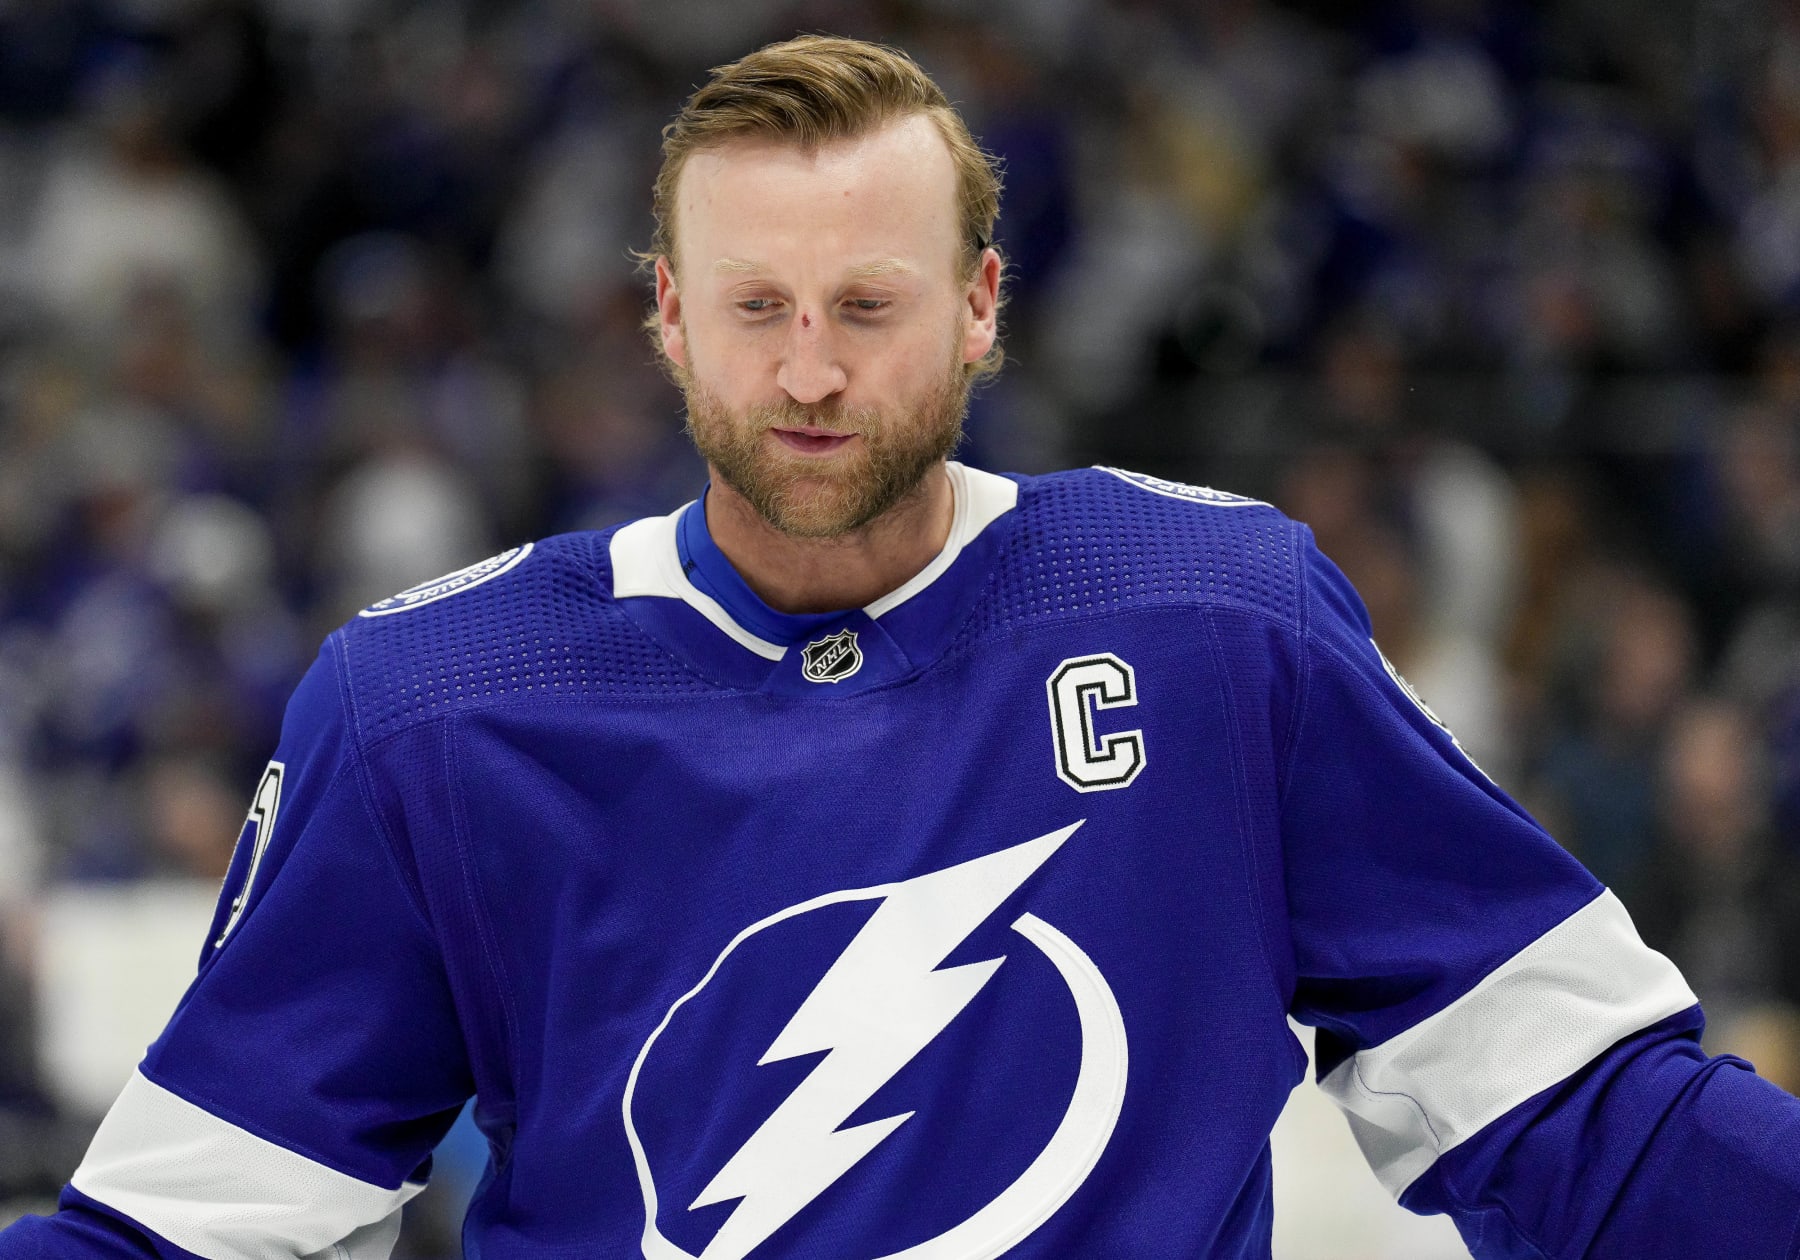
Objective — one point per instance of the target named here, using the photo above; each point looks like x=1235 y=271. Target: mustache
x=829 y=415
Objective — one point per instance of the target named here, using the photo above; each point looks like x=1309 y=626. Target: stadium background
x=305 y=301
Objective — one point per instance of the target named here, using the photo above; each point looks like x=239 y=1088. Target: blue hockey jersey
x=963 y=925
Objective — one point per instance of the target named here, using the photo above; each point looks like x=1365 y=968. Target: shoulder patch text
x=1181 y=490
x=450 y=584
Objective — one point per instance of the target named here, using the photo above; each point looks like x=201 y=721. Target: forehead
x=889 y=194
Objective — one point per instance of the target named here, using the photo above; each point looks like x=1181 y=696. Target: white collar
x=647 y=562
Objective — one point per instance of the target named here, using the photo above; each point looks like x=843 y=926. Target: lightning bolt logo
x=876 y=1008
x=881 y=1003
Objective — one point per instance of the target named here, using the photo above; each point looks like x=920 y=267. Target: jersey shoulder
x=531 y=623
x=1095 y=540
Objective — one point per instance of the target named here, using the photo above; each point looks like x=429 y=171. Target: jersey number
x=1081 y=686
x=259 y=827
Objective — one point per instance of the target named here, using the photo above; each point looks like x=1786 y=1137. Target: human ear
x=668 y=313
x=982 y=324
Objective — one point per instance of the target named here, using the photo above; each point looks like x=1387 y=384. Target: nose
x=811 y=370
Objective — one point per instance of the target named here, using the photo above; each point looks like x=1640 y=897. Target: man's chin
x=816 y=507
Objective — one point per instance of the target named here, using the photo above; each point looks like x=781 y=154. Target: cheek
x=703 y=358
x=737 y=353
x=922 y=355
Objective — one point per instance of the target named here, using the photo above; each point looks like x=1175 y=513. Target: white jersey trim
x=981 y=498
x=1539 y=1017
x=646 y=560
x=224 y=1193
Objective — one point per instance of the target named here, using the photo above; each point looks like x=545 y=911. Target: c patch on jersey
x=259 y=829
x=1181 y=489
x=1085 y=760
x=450 y=584
x=867 y=1097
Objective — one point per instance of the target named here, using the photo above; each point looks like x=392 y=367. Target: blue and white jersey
x=959 y=926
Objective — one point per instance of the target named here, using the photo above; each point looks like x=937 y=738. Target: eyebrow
x=882 y=267
x=862 y=271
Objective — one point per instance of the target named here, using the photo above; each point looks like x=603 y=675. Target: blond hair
x=813 y=90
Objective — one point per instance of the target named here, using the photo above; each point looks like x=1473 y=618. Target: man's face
x=819 y=321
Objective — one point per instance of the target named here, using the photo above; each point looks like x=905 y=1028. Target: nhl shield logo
x=831 y=659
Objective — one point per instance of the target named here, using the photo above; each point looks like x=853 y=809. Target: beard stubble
x=810 y=498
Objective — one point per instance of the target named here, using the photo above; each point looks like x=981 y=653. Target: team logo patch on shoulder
x=831 y=659
x=258 y=829
x=1181 y=490
x=450 y=584
x=1418 y=701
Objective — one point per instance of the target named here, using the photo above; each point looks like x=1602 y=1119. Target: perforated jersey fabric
x=549 y=627
x=1079 y=543
x=1087 y=541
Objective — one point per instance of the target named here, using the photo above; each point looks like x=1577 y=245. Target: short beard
x=793 y=494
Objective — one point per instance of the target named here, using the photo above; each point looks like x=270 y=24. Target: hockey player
x=882 y=858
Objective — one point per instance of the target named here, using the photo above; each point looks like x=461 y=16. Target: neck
x=807 y=575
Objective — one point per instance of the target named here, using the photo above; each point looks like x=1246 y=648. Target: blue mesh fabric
x=1080 y=542
x=548 y=627
x=1087 y=541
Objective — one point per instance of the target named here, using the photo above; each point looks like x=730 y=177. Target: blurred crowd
x=305 y=301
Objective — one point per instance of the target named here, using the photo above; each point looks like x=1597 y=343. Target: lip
x=810 y=440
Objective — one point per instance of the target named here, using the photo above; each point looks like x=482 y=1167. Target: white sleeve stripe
x=1546 y=1012
x=224 y=1193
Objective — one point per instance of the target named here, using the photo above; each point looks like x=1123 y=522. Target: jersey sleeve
x=290 y=1106
x=1505 y=1047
